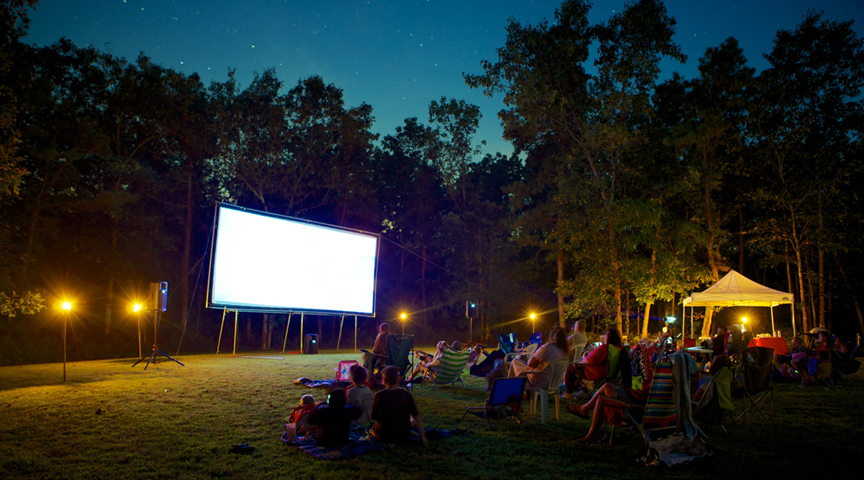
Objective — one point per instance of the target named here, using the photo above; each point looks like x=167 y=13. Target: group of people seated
x=392 y=409
x=803 y=363
x=395 y=413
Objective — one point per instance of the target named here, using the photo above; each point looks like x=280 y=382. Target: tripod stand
x=152 y=357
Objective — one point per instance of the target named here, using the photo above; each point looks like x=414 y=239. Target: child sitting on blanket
x=300 y=416
x=393 y=408
x=359 y=395
x=334 y=420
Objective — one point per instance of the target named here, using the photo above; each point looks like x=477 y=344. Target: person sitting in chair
x=578 y=338
x=379 y=349
x=429 y=360
x=593 y=366
x=535 y=368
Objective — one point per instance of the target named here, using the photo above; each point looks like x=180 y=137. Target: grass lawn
x=110 y=421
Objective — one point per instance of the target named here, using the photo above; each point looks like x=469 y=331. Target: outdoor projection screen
x=270 y=263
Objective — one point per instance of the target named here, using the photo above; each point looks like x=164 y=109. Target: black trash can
x=310 y=343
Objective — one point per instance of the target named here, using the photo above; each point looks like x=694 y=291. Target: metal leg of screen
x=301 y=331
x=234 y=352
x=287 y=326
x=219 y=342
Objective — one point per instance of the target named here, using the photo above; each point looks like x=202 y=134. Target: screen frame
x=210 y=303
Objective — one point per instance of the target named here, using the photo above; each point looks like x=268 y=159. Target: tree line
x=625 y=192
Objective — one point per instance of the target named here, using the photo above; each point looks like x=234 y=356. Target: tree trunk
x=423 y=290
x=852 y=294
x=626 y=331
x=560 y=263
x=645 y=319
x=706 y=323
x=741 y=240
x=187 y=249
x=109 y=289
x=821 y=279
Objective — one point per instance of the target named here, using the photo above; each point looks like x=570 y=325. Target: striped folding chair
x=450 y=367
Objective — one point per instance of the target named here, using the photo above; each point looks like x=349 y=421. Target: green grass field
x=110 y=421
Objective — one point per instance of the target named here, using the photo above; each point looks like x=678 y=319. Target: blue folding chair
x=505 y=400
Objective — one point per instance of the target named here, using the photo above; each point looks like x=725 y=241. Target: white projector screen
x=264 y=262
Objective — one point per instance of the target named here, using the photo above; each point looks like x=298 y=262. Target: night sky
x=395 y=55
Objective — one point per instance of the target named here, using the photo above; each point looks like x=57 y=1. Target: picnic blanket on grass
x=329 y=384
x=359 y=443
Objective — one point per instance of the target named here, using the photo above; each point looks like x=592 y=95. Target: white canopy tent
x=736 y=290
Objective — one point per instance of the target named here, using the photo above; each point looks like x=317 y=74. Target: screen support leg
x=287 y=326
x=224 y=311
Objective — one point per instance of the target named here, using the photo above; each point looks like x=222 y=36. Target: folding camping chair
x=657 y=415
x=399 y=354
x=449 y=369
x=756 y=363
x=716 y=405
x=613 y=367
x=661 y=417
x=505 y=400
x=844 y=367
x=507 y=342
x=343 y=370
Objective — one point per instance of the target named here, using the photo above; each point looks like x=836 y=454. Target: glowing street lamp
x=533 y=317
x=743 y=322
x=404 y=317
x=136 y=309
x=65 y=309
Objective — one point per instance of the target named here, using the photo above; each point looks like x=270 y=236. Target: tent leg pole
x=355 y=333
x=773 y=329
x=794 y=329
x=301 y=331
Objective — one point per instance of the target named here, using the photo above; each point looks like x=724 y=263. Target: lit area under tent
x=736 y=290
x=266 y=263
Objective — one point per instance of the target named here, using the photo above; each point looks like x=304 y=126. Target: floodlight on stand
x=404 y=317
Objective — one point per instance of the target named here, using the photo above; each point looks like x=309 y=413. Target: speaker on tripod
x=159 y=296
x=158 y=303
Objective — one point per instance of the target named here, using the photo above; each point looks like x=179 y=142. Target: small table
x=777 y=343
x=703 y=352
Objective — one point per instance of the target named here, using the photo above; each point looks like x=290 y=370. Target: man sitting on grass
x=393 y=408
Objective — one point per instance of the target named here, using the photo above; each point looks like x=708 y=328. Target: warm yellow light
x=403 y=316
x=136 y=307
x=744 y=319
x=533 y=316
x=66 y=306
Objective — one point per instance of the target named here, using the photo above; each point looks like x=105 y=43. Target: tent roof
x=735 y=289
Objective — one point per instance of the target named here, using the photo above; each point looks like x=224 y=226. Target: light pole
x=533 y=318
x=66 y=307
x=404 y=317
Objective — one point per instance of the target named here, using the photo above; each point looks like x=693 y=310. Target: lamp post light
x=136 y=309
x=66 y=309
x=533 y=317
x=743 y=323
x=404 y=317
